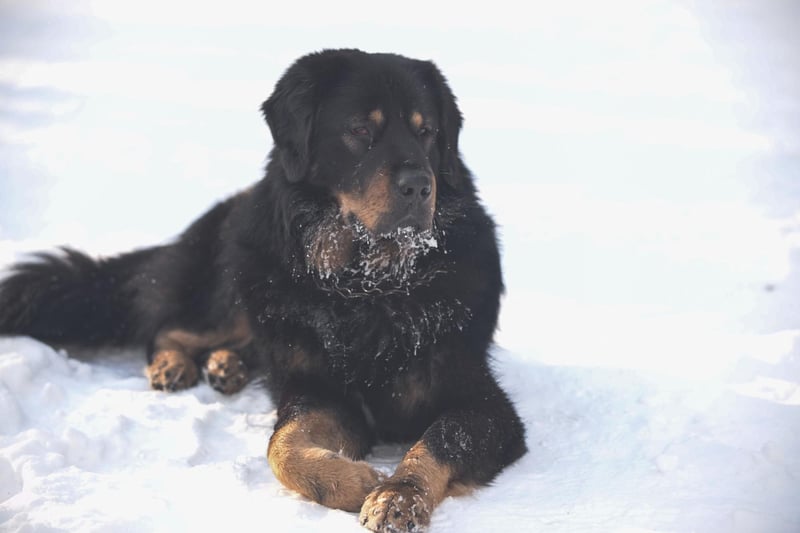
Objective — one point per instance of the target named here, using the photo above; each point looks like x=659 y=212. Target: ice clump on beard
x=352 y=261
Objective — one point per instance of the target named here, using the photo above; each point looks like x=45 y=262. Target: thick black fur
x=410 y=350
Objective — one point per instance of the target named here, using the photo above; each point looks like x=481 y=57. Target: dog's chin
x=400 y=234
x=387 y=264
x=342 y=242
x=404 y=242
x=393 y=254
x=349 y=258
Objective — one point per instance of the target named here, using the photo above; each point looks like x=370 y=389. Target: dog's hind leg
x=225 y=371
x=172 y=370
x=176 y=354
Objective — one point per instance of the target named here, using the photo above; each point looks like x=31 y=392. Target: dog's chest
x=402 y=408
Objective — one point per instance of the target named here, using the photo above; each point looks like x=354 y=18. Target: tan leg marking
x=234 y=334
x=416 y=120
x=410 y=392
x=300 y=360
x=172 y=370
x=174 y=365
x=406 y=500
x=226 y=372
x=377 y=117
x=314 y=456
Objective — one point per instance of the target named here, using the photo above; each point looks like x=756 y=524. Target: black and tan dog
x=360 y=276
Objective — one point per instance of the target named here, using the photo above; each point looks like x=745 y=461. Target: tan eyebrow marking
x=376 y=117
x=416 y=119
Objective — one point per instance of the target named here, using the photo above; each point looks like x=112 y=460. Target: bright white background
x=641 y=158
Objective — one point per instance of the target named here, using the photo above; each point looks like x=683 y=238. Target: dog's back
x=68 y=297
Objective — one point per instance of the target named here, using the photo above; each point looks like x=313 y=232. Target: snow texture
x=640 y=157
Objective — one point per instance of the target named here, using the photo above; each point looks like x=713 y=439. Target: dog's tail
x=71 y=298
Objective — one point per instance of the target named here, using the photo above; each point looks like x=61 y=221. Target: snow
x=86 y=446
x=648 y=201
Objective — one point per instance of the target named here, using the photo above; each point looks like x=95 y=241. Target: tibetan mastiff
x=360 y=277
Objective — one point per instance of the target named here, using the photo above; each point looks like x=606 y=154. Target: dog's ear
x=289 y=112
x=452 y=169
x=291 y=108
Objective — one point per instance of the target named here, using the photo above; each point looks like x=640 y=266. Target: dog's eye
x=424 y=131
x=360 y=131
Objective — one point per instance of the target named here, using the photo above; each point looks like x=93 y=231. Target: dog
x=360 y=277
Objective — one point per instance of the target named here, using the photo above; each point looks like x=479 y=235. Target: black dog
x=361 y=276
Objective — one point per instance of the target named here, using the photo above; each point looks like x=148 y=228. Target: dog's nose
x=414 y=184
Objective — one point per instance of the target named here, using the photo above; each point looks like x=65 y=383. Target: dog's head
x=376 y=132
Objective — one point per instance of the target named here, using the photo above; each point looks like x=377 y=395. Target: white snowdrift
x=86 y=446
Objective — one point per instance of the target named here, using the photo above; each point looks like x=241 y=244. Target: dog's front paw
x=171 y=371
x=396 y=506
x=226 y=372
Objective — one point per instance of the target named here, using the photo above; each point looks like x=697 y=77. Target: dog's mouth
x=400 y=222
x=407 y=225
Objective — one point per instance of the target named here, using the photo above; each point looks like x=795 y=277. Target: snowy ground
x=640 y=156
